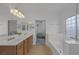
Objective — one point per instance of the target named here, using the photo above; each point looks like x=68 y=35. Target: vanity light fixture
x=17 y=12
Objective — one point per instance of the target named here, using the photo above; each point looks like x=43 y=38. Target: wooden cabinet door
x=25 y=47
x=7 y=50
x=29 y=43
x=20 y=49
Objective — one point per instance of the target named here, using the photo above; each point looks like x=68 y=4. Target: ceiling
x=36 y=11
x=39 y=8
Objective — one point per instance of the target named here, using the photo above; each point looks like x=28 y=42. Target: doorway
x=40 y=32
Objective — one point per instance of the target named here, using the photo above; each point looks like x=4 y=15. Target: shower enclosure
x=72 y=25
x=71 y=44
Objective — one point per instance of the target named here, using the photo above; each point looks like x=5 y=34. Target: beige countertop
x=4 y=40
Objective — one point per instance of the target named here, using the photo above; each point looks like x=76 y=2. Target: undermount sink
x=25 y=33
x=15 y=36
x=11 y=38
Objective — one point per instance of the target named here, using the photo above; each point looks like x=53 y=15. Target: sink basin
x=11 y=38
x=25 y=33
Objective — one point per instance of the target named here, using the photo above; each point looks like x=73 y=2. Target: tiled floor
x=40 y=50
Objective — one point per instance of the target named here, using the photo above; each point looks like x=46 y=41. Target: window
x=71 y=27
x=77 y=26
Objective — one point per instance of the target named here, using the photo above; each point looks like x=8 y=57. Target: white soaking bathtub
x=55 y=42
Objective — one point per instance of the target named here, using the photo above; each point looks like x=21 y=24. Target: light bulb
x=20 y=13
x=15 y=10
x=14 y=13
x=17 y=13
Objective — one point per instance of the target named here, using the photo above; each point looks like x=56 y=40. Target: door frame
x=36 y=29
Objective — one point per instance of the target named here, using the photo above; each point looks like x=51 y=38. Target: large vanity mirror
x=12 y=27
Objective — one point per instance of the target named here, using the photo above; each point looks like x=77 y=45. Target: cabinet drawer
x=25 y=47
x=29 y=43
x=7 y=50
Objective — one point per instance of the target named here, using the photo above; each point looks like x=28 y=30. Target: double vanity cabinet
x=22 y=48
